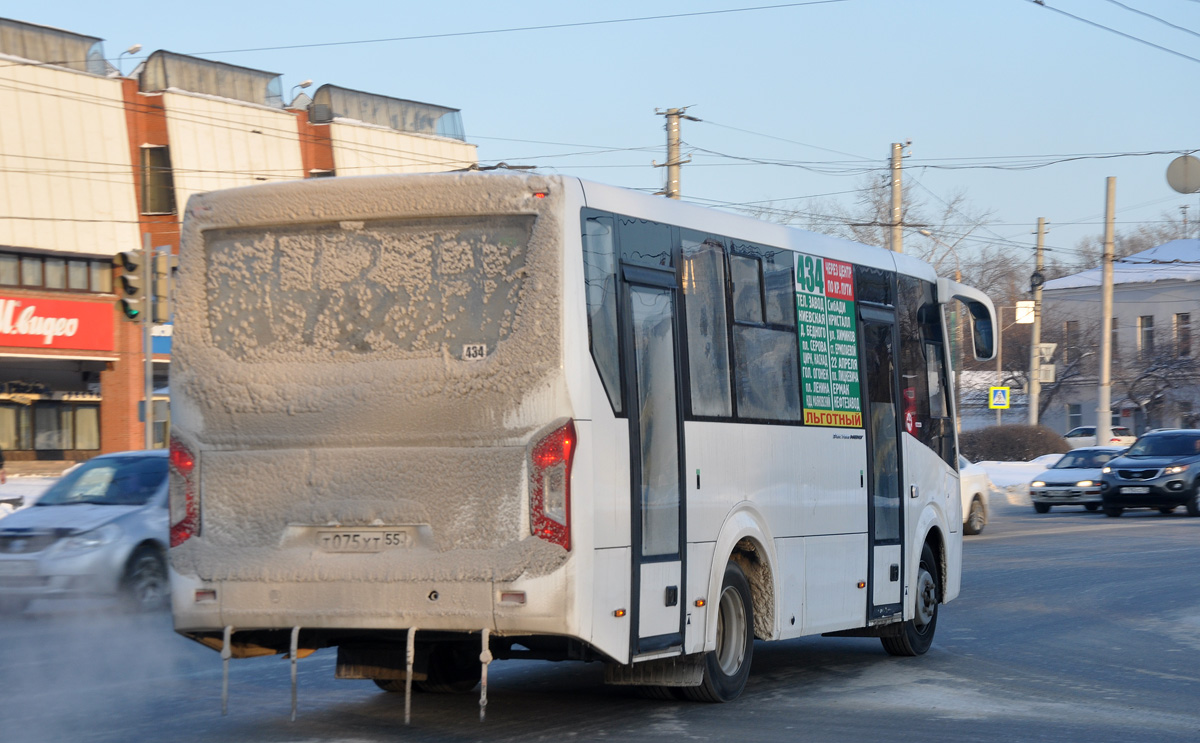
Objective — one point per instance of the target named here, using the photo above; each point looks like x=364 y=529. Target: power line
x=514 y=29
x=781 y=139
x=1115 y=31
x=1154 y=17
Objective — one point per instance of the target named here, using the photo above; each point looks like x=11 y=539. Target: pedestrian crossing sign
x=998 y=398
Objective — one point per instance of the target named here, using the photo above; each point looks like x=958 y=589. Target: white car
x=100 y=530
x=1074 y=480
x=974 y=486
x=1086 y=436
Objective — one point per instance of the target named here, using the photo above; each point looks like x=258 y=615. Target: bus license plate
x=363 y=540
x=1138 y=490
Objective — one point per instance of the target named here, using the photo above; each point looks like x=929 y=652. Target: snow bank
x=29 y=489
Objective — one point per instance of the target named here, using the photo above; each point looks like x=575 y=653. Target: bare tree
x=868 y=220
x=1148 y=380
x=1147 y=235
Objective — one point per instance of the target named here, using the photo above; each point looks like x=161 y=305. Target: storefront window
x=53 y=425
x=14 y=426
x=87 y=427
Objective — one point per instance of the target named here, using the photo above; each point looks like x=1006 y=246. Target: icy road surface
x=1071 y=627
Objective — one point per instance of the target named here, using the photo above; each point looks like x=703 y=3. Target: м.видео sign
x=56 y=323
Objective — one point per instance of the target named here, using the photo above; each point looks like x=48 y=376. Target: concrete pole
x=999 y=358
x=674 y=116
x=958 y=362
x=1104 y=401
x=1035 y=361
x=147 y=344
x=897 y=240
x=672 y=190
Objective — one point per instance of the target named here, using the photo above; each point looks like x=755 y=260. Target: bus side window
x=702 y=279
x=747 y=288
x=779 y=289
x=765 y=346
x=600 y=277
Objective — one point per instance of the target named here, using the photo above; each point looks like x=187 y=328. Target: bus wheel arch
x=750 y=557
x=937 y=544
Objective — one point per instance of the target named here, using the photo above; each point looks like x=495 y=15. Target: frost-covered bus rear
x=555 y=418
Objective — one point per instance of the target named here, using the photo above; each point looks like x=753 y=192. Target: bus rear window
x=347 y=289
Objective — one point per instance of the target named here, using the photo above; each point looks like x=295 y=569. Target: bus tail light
x=184 y=498
x=550 y=486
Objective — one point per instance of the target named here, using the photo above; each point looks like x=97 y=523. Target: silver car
x=1074 y=480
x=101 y=530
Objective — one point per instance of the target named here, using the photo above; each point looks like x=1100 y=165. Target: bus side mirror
x=982 y=332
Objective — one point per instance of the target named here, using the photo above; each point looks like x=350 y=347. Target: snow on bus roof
x=1177 y=260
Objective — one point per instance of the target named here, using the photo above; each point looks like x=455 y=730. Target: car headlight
x=1037 y=484
x=90 y=540
x=1084 y=484
x=1105 y=470
x=1175 y=470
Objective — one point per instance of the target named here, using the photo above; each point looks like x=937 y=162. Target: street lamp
x=131 y=50
x=301 y=85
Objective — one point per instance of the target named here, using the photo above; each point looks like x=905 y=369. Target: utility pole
x=1035 y=358
x=1104 y=401
x=897 y=241
x=147 y=347
x=671 y=191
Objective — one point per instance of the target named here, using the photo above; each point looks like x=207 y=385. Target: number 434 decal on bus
x=474 y=351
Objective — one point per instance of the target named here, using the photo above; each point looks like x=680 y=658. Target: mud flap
x=682 y=670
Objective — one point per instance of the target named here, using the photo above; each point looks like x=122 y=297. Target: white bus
x=434 y=419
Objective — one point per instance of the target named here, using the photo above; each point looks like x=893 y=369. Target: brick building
x=91 y=160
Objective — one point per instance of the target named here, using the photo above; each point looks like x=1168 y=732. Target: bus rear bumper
x=534 y=605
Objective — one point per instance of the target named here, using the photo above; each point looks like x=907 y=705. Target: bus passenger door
x=884 y=485
x=655 y=436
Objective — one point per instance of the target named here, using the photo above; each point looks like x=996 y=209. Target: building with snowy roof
x=92 y=160
x=1155 y=374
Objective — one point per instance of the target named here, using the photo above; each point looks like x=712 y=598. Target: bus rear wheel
x=916 y=634
x=454 y=668
x=728 y=666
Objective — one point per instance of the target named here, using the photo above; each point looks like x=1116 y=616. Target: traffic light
x=165 y=265
x=132 y=291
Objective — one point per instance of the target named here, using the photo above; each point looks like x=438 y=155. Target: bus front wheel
x=727 y=667
x=916 y=634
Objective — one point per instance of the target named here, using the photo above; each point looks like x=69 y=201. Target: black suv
x=1161 y=470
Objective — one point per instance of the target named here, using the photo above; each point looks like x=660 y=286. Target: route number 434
x=810 y=274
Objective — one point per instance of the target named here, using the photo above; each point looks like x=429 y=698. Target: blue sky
x=966 y=81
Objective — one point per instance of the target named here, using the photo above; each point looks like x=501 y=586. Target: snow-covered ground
x=29 y=489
